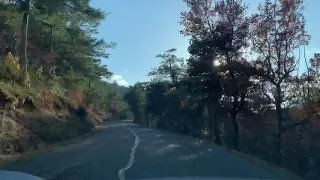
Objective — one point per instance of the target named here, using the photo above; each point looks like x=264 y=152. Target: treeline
x=52 y=81
x=247 y=83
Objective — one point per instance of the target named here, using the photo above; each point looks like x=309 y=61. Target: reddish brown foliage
x=77 y=97
x=115 y=108
x=50 y=57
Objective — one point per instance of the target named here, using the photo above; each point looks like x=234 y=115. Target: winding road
x=124 y=151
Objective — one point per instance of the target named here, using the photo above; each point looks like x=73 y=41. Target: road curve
x=123 y=151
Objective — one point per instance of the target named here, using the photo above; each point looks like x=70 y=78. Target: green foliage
x=170 y=67
x=10 y=68
x=137 y=100
x=12 y=92
x=50 y=60
x=156 y=98
x=63 y=52
x=16 y=93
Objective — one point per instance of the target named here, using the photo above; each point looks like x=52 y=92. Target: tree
x=50 y=58
x=278 y=30
x=166 y=94
x=136 y=99
x=58 y=40
x=156 y=98
x=220 y=32
x=208 y=85
x=170 y=66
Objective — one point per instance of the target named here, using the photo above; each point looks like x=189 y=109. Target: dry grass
x=22 y=131
x=29 y=155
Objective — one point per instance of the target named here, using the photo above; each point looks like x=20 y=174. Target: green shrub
x=10 y=69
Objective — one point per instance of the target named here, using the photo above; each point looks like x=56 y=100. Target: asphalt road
x=125 y=151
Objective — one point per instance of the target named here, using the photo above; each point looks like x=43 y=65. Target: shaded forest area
x=247 y=84
x=52 y=84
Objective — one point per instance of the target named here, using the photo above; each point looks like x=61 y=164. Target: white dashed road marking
x=122 y=171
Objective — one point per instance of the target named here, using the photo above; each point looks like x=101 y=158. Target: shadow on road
x=163 y=154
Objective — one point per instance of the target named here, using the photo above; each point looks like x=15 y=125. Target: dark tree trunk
x=23 y=31
x=199 y=115
x=279 y=124
x=210 y=111
x=88 y=89
x=235 y=127
x=236 y=108
x=216 y=126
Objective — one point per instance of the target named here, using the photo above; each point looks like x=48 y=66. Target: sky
x=144 y=28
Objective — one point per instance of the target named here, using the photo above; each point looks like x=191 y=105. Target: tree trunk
x=88 y=89
x=216 y=126
x=236 y=108
x=211 y=119
x=199 y=122
x=279 y=124
x=24 y=30
x=235 y=127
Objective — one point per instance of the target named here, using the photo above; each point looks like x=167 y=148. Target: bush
x=10 y=69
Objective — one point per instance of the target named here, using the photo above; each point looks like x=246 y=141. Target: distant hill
x=121 y=89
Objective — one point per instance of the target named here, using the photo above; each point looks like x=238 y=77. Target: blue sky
x=144 y=28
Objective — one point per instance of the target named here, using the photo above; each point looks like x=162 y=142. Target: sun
x=216 y=63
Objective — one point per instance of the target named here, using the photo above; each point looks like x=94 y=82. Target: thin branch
x=269 y=97
x=74 y=8
x=26 y=43
x=299 y=62
x=77 y=9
